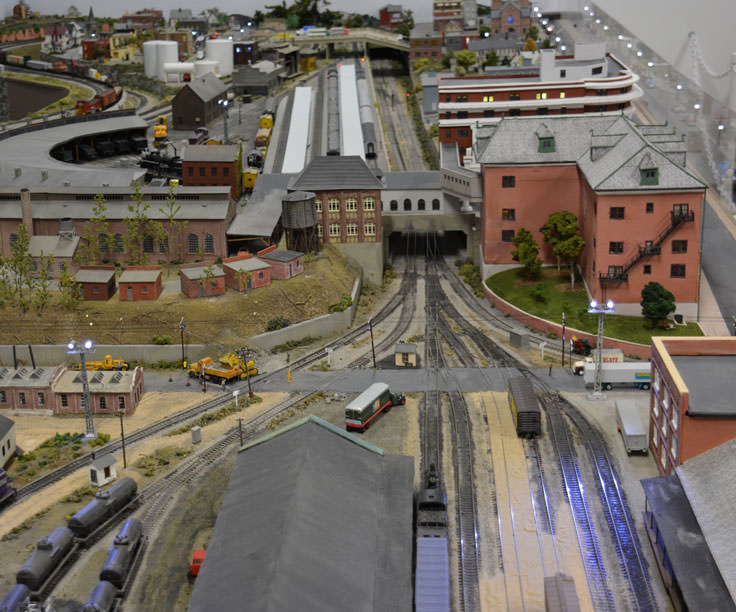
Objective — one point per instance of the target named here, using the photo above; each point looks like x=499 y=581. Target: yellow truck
x=228 y=368
x=106 y=364
x=263 y=137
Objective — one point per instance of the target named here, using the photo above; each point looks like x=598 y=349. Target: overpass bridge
x=367 y=38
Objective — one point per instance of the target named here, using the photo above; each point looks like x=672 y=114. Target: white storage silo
x=202 y=67
x=168 y=53
x=221 y=51
x=150 y=58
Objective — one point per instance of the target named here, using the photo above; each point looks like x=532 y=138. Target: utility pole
x=240 y=430
x=373 y=346
x=563 y=339
x=182 y=327
x=122 y=436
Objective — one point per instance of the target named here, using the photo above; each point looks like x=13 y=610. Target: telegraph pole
x=563 y=339
x=373 y=346
x=182 y=327
x=122 y=436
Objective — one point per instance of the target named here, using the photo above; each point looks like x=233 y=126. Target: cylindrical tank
x=222 y=51
x=150 y=58
x=297 y=210
x=168 y=53
x=47 y=555
x=16 y=598
x=202 y=67
x=175 y=70
x=101 y=598
x=121 y=553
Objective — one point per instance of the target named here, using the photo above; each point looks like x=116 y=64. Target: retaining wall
x=53 y=354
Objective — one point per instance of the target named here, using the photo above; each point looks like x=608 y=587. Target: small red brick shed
x=198 y=280
x=140 y=283
x=284 y=263
x=245 y=272
x=96 y=282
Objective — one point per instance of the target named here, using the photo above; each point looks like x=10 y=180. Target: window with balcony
x=351 y=204
x=508 y=214
x=615 y=248
x=680 y=210
x=508 y=182
x=616 y=212
x=333 y=205
x=679 y=246
x=677 y=271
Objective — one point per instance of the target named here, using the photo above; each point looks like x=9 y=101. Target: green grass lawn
x=558 y=297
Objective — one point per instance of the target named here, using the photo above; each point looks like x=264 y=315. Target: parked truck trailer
x=613 y=355
x=634 y=432
x=637 y=373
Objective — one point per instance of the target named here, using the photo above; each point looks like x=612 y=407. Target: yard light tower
x=224 y=104
x=600 y=309
x=81 y=349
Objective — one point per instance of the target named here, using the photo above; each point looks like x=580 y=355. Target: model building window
x=41 y=399
x=677 y=270
x=64 y=400
x=163 y=245
x=213 y=171
x=190 y=171
x=104 y=242
x=647 y=269
x=121 y=403
x=421 y=204
x=488 y=113
x=118 y=243
x=103 y=404
x=148 y=244
x=617 y=212
x=462 y=114
x=541 y=95
x=202 y=170
x=394 y=205
x=352 y=229
x=351 y=204
x=508 y=214
x=462 y=99
x=369 y=229
x=514 y=96
x=193 y=242
x=22 y=398
x=334 y=230
x=508 y=181
x=144 y=289
x=209 y=244
x=319 y=231
x=507 y=235
x=317 y=205
x=369 y=203
x=435 y=204
x=3 y=397
x=615 y=248
x=407 y=204
x=598 y=70
x=679 y=246
x=650 y=207
x=226 y=171
x=615 y=271
x=333 y=205
x=487 y=98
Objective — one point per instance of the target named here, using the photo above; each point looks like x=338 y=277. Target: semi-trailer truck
x=637 y=373
x=613 y=355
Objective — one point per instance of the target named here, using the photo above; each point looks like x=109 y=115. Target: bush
x=345 y=302
x=162 y=339
x=277 y=323
x=539 y=293
x=100 y=440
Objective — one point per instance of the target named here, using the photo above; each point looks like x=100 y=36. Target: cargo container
x=609 y=356
x=637 y=373
x=633 y=431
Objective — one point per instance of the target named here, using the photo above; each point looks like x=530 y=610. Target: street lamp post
x=182 y=327
x=224 y=104
x=75 y=348
x=600 y=309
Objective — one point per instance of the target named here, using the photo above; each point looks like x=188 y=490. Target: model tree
x=656 y=303
x=465 y=58
x=561 y=233
x=20 y=268
x=526 y=253
x=96 y=241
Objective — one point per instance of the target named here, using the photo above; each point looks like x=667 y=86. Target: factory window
x=104 y=243
x=616 y=212
x=352 y=229
x=562 y=94
x=41 y=399
x=148 y=244
x=334 y=230
x=64 y=400
x=514 y=96
x=597 y=70
x=13 y=240
x=679 y=246
x=193 y=242
x=650 y=207
x=615 y=248
x=22 y=398
x=190 y=171
x=508 y=181
x=369 y=229
x=317 y=205
x=541 y=95
x=394 y=205
x=119 y=243
x=462 y=114
x=677 y=270
x=333 y=205
x=407 y=204
x=209 y=244
x=507 y=235
x=144 y=289
x=103 y=404
x=488 y=113
x=351 y=204
x=647 y=269
x=3 y=397
x=202 y=171
x=163 y=245
x=487 y=98
x=121 y=403
x=213 y=171
x=319 y=231
x=508 y=214
x=421 y=204
x=563 y=74
x=369 y=203
x=226 y=171
x=435 y=204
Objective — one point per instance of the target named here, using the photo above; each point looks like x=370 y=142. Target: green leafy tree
x=69 y=292
x=20 y=268
x=421 y=64
x=258 y=18
x=656 y=303
x=96 y=241
x=465 y=58
x=560 y=226
x=533 y=32
x=547 y=44
x=492 y=58
x=526 y=253
x=42 y=296
x=139 y=227
x=568 y=251
x=174 y=231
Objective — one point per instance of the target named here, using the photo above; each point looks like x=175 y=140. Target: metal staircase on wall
x=651 y=247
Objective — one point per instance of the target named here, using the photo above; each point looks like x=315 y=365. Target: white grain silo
x=221 y=51
x=202 y=67
x=168 y=53
x=150 y=58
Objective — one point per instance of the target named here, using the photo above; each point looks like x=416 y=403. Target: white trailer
x=613 y=355
x=637 y=373
x=634 y=432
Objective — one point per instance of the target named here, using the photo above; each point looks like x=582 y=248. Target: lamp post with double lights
x=224 y=103
x=600 y=309
x=81 y=349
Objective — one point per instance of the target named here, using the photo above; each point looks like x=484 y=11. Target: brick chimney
x=25 y=205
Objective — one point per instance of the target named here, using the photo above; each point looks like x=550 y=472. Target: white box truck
x=637 y=373
x=613 y=355
x=634 y=432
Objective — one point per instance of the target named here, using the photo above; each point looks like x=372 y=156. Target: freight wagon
x=524 y=407
x=637 y=373
x=369 y=404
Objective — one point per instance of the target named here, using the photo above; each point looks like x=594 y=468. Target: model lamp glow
x=75 y=348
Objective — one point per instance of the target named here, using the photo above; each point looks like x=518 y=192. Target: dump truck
x=229 y=368
x=634 y=432
x=609 y=356
x=637 y=373
x=106 y=364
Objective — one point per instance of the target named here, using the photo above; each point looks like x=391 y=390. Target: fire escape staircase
x=651 y=247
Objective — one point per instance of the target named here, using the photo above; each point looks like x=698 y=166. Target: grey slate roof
x=139 y=276
x=94 y=276
x=263 y=210
x=209 y=153
x=316 y=520
x=100 y=463
x=708 y=480
x=100 y=381
x=283 y=255
x=246 y=265
x=413 y=180
x=6 y=425
x=404 y=347
x=52 y=245
x=335 y=172
x=708 y=381
x=700 y=582
x=207 y=87
x=198 y=272
x=26 y=376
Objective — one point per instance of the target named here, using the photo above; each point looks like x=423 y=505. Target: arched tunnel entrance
x=431 y=243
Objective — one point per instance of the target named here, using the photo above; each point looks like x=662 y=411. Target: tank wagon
x=333 y=112
x=102 y=598
x=121 y=553
x=47 y=555
x=16 y=599
x=524 y=407
x=105 y=504
x=377 y=398
x=432 y=575
x=365 y=107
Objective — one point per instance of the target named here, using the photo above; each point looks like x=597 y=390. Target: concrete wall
x=325 y=325
x=53 y=354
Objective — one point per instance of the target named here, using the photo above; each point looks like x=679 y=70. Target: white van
x=634 y=433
